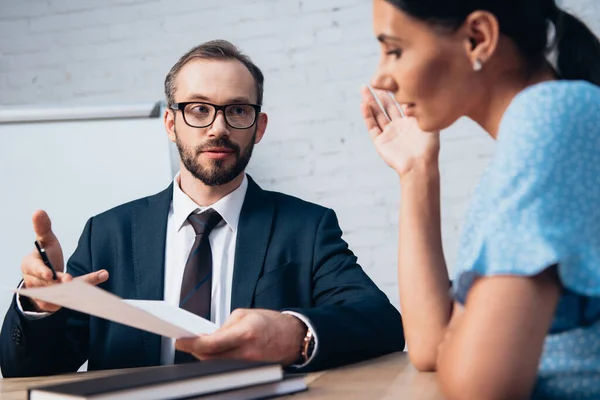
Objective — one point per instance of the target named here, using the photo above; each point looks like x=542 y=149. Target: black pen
x=45 y=258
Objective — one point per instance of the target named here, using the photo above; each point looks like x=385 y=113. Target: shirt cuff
x=31 y=315
x=306 y=322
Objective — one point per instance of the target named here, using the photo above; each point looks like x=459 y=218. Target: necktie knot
x=205 y=221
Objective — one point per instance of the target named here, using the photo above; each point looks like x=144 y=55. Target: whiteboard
x=73 y=162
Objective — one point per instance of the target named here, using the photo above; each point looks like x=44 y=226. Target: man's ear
x=481 y=31
x=169 y=120
x=261 y=126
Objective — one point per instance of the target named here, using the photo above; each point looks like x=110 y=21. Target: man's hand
x=257 y=335
x=37 y=274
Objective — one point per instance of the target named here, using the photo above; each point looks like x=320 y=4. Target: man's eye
x=200 y=110
x=238 y=110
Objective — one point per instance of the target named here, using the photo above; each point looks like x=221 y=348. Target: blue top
x=538 y=205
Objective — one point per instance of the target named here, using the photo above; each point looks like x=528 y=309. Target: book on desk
x=214 y=379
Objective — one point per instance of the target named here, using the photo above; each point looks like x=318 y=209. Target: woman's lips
x=409 y=110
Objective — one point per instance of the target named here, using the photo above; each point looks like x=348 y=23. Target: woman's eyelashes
x=395 y=52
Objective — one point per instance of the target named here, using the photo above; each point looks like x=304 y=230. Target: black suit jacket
x=289 y=255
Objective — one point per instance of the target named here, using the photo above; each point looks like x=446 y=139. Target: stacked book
x=214 y=379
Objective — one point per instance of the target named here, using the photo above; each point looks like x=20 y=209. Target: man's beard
x=218 y=173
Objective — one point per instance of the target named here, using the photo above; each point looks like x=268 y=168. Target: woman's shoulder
x=554 y=103
x=553 y=110
x=562 y=96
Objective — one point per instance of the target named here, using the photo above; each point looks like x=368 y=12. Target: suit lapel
x=254 y=230
x=149 y=232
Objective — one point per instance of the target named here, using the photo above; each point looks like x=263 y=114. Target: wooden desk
x=388 y=377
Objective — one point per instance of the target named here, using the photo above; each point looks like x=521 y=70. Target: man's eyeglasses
x=201 y=115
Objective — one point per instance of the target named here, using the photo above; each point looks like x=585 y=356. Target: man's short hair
x=214 y=50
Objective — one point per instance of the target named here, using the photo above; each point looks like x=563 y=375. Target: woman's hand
x=399 y=142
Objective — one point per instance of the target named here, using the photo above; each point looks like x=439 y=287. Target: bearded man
x=272 y=271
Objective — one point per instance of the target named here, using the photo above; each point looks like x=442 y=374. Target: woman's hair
x=527 y=23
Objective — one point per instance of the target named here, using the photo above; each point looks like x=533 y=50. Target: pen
x=45 y=258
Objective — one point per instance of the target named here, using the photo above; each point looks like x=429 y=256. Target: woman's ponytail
x=578 y=49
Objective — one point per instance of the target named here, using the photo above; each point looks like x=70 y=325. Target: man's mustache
x=220 y=142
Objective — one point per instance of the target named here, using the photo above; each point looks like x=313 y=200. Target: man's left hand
x=257 y=335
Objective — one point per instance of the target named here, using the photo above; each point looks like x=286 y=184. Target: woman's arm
x=422 y=275
x=493 y=349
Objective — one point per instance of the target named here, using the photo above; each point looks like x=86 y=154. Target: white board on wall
x=73 y=162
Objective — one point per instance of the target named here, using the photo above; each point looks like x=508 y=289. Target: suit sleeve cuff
x=30 y=315
x=306 y=322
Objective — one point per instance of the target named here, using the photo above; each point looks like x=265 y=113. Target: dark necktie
x=196 y=286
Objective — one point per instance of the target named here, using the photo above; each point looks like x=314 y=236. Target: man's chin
x=216 y=165
x=215 y=177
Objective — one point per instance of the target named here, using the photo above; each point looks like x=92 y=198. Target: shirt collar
x=229 y=206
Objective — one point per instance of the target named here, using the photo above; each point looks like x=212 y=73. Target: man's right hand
x=37 y=274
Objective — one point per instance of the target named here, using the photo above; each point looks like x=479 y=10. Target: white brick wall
x=315 y=55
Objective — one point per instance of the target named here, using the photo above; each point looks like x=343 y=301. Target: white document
x=153 y=316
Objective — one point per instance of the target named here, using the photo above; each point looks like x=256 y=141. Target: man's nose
x=219 y=126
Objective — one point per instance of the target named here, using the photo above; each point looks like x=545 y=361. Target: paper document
x=153 y=316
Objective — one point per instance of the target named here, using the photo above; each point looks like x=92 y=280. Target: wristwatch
x=308 y=346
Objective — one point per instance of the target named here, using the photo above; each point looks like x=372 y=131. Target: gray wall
x=315 y=55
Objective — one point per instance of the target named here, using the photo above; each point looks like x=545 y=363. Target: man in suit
x=212 y=242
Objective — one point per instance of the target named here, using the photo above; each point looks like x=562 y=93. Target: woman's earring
x=477 y=65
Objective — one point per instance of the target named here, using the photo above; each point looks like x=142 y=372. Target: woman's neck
x=500 y=92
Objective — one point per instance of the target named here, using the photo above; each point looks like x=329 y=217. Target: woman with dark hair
x=523 y=317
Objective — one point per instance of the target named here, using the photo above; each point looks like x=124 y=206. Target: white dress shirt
x=179 y=241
